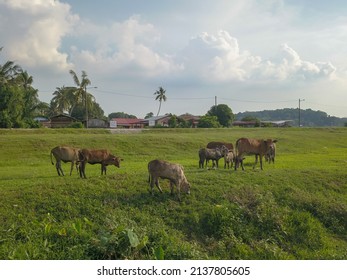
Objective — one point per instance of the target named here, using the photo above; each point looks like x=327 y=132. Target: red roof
x=127 y=121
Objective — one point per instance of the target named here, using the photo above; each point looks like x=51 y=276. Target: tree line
x=20 y=105
x=308 y=117
x=19 y=102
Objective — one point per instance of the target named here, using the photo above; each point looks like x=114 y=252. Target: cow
x=65 y=154
x=213 y=145
x=270 y=155
x=103 y=157
x=258 y=147
x=229 y=159
x=205 y=154
x=171 y=171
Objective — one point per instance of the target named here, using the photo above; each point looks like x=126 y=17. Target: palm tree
x=25 y=80
x=81 y=92
x=8 y=71
x=160 y=95
x=64 y=100
x=81 y=84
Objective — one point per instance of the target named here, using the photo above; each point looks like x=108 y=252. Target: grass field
x=295 y=209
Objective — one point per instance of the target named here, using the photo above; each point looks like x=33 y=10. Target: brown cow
x=213 y=145
x=103 y=157
x=258 y=147
x=270 y=155
x=166 y=170
x=65 y=154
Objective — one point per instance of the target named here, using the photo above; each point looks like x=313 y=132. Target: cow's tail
x=52 y=159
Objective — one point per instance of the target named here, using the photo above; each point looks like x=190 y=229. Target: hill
x=309 y=117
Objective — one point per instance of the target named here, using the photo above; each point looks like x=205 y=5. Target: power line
x=258 y=101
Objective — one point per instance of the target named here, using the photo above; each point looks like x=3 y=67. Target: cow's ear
x=275 y=141
x=121 y=159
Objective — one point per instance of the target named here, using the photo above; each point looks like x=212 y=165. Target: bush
x=75 y=125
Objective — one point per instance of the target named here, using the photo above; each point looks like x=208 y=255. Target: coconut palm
x=63 y=100
x=8 y=71
x=160 y=95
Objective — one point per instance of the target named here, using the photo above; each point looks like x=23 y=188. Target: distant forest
x=308 y=117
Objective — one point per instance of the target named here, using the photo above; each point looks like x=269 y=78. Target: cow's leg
x=171 y=187
x=256 y=161
x=83 y=170
x=59 y=169
x=157 y=184
x=261 y=162
x=241 y=161
x=103 y=169
x=72 y=164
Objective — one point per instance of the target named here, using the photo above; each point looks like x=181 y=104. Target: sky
x=252 y=55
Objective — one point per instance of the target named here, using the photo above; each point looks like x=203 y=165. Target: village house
x=62 y=120
x=127 y=123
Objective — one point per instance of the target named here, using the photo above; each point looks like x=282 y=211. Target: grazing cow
x=166 y=170
x=205 y=154
x=103 y=157
x=65 y=154
x=213 y=145
x=258 y=147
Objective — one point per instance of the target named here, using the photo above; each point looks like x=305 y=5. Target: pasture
x=295 y=209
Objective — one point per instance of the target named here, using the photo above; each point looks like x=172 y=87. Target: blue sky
x=251 y=54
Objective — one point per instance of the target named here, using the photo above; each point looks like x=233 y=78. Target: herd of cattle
x=162 y=169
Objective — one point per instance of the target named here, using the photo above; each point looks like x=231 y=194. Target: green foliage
x=76 y=125
x=294 y=209
x=121 y=115
x=208 y=122
x=223 y=113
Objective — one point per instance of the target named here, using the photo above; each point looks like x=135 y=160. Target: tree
x=18 y=99
x=208 y=122
x=160 y=95
x=121 y=115
x=8 y=72
x=149 y=115
x=81 y=91
x=223 y=113
x=64 y=100
x=11 y=107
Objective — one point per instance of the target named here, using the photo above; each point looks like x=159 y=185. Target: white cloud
x=32 y=32
x=126 y=47
x=219 y=58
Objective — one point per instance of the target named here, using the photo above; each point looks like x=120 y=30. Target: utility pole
x=215 y=100
x=300 y=111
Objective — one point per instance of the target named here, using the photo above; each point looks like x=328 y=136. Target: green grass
x=295 y=209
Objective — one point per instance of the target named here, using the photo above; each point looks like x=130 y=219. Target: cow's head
x=185 y=186
x=113 y=160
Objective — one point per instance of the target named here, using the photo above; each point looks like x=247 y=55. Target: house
x=159 y=121
x=127 y=123
x=62 y=120
x=246 y=123
x=194 y=120
x=283 y=123
x=43 y=121
x=97 y=123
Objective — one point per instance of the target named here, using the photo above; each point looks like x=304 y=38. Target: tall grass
x=295 y=209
